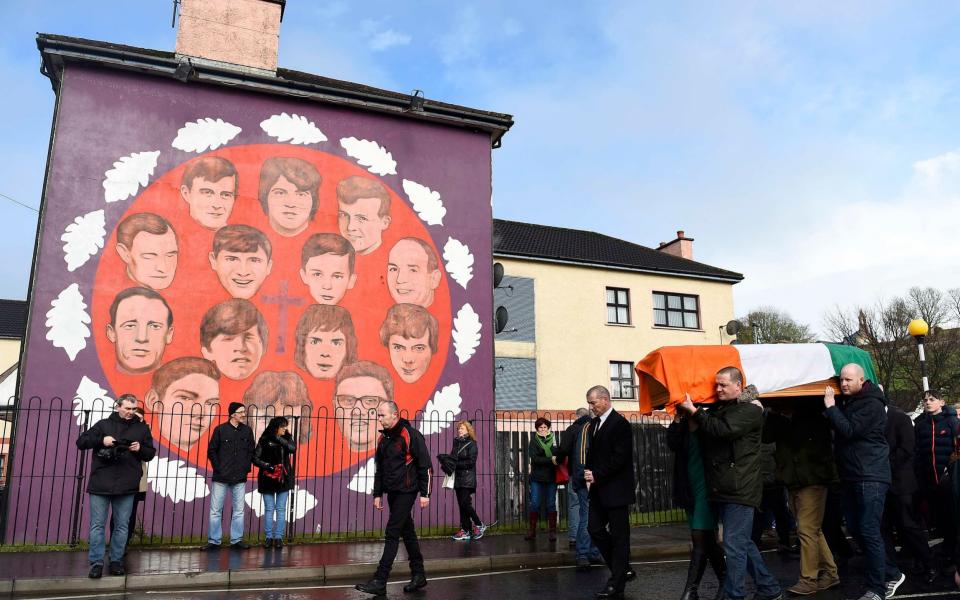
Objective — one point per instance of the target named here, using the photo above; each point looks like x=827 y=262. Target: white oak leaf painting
x=459 y=261
x=292 y=129
x=362 y=482
x=67 y=321
x=205 y=134
x=371 y=155
x=176 y=480
x=128 y=175
x=442 y=410
x=83 y=238
x=466 y=333
x=425 y=201
x=91 y=397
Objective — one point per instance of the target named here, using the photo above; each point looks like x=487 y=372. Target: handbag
x=562 y=473
x=448 y=481
x=275 y=473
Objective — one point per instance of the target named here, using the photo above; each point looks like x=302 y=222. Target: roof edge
x=734 y=278
x=55 y=50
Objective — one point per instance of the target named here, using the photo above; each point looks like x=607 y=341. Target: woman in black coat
x=276 y=478
x=465 y=481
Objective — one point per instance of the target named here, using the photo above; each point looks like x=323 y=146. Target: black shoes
x=376 y=587
x=416 y=582
x=631 y=575
x=212 y=547
x=278 y=543
x=96 y=572
x=116 y=568
x=241 y=545
x=583 y=564
x=268 y=543
x=609 y=592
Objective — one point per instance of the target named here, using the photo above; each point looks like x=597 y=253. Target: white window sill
x=620 y=324
x=664 y=327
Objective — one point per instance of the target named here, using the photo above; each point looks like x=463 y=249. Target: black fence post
x=78 y=492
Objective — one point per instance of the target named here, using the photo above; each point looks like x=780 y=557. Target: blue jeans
x=538 y=489
x=275 y=503
x=742 y=554
x=573 y=512
x=864 y=502
x=217 y=496
x=122 y=505
x=585 y=547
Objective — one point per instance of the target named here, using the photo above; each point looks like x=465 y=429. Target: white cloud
x=384 y=40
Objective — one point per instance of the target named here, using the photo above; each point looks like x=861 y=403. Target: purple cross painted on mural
x=282 y=300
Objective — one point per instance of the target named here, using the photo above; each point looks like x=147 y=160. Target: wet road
x=656 y=580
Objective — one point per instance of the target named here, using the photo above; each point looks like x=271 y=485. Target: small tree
x=768 y=325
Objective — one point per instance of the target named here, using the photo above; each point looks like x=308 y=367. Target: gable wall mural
x=200 y=246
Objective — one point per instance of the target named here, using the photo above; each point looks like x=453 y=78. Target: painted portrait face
x=188 y=406
x=356 y=400
x=361 y=224
x=328 y=276
x=410 y=356
x=210 y=202
x=151 y=259
x=241 y=273
x=324 y=352
x=408 y=278
x=289 y=208
x=140 y=334
x=237 y=356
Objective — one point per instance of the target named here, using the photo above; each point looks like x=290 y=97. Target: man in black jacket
x=859 y=422
x=608 y=473
x=731 y=433
x=121 y=443
x=231 y=453
x=898 y=512
x=402 y=471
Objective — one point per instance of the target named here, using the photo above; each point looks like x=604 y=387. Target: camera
x=113 y=453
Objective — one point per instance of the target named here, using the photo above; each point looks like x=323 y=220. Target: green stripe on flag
x=842 y=354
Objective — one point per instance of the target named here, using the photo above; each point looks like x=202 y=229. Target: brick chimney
x=682 y=246
x=244 y=33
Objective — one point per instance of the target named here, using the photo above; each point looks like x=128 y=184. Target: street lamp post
x=919 y=328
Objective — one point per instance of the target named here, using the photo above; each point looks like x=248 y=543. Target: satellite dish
x=733 y=327
x=497 y=275
x=500 y=319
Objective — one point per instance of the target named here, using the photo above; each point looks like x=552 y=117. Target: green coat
x=804 y=455
x=730 y=436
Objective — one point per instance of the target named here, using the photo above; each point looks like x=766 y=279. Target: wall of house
x=9 y=354
x=573 y=343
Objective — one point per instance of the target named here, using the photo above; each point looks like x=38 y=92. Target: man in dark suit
x=609 y=476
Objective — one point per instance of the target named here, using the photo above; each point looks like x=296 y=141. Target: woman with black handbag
x=275 y=479
x=465 y=481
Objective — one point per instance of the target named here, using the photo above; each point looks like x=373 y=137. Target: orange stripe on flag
x=667 y=373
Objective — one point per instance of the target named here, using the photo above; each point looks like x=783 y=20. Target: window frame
x=616 y=305
x=681 y=311
x=616 y=391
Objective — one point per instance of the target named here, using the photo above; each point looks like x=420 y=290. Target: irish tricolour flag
x=776 y=369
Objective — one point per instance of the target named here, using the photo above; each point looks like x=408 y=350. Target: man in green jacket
x=730 y=432
x=805 y=465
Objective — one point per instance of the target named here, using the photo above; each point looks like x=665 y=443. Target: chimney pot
x=244 y=33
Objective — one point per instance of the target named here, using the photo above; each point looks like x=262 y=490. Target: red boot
x=552 y=526
x=532 y=527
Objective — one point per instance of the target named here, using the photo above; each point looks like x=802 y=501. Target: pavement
x=28 y=573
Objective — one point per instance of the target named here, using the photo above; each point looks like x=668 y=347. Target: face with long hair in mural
x=147 y=245
x=209 y=187
x=327 y=267
x=413 y=272
x=363 y=212
x=273 y=394
x=186 y=394
x=410 y=333
x=289 y=194
x=140 y=327
x=326 y=340
x=361 y=387
x=241 y=258
x=233 y=335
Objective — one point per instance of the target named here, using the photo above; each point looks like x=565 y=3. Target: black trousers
x=833 y=524
x=468 y=514
x=899 y=513
x=774 y=500
x=400 y=525
x=610 y=531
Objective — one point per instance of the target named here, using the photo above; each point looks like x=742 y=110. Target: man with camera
x=120 y=443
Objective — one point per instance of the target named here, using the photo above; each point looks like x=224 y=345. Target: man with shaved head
x=859 y=422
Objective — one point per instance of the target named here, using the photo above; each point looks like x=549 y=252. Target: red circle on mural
x=282 y=299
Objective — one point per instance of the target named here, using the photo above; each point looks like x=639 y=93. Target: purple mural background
x=104 y=115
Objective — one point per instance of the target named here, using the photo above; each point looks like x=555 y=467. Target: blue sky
x=813 y=148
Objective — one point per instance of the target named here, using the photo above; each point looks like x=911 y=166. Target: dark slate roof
x=56 y=49
x=526 y=240
x=13 y=319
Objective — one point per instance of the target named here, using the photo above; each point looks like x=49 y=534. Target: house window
x=676 y=310
x=618 y=306
x=621 y=381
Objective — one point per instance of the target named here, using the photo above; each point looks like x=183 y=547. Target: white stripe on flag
x=777 y=366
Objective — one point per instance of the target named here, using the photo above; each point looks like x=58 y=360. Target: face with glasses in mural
x=360 y=389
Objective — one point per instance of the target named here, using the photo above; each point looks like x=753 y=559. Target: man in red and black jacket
x=402 y=471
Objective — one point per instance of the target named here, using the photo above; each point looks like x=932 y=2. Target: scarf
x=546 y=443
